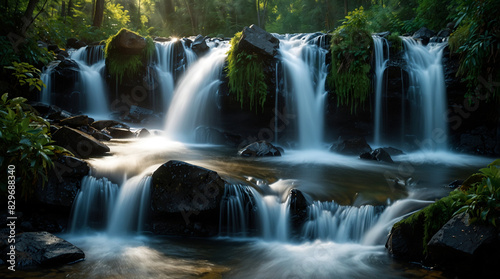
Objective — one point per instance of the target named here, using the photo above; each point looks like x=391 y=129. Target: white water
x=305 y=73
x=192 y=101
x=427 y=92
x=92 y=84
x=381 y=58
x=46 y=78
x=165 y=54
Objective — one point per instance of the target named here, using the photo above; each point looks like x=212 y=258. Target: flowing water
x=381 y=57
x=427 y=93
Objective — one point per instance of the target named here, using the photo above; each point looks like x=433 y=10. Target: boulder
x=461 y=246
x=138 y=114
x=378 y=154
x=75 y=43
x=43 y=249
x=98 y=135
x=75 y=121
x=354 y=146
x=79 y=143
x=128 y=42
x=179 y=186
x=444 y=33
x=298 y=210
x=64 y=182
x=393 y=151
x=256 y=40
x=101 y=124
x=259 y=149
x=143 y=133
x=199 y=45
x=424 y=34
x=120 y=133
x=405 y=240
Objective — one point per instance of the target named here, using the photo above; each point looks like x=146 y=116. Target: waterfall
x=166 y=56
x=90 y=60
x=192 y=97
x=381 y=58
x=101 y=204
x=334 y=222
x=427 y=93
x=244 y=209
x=305 y=73
x=46 y=77
x=91 y=208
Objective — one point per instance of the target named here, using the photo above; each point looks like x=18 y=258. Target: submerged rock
x=354 y=146
x=143 y=133
x=424 y=34
x=298 y=210
x=259 y=149
x=120 y=133
x=199 y=45
x=81 y=144
x=43 y=249
x=378 y=154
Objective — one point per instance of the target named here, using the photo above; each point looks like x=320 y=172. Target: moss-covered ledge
x=459 y=232
x=126 y=53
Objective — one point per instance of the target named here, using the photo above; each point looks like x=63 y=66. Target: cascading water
x=427 y=92
x=166 y=55
x=381 y=58
x=192 y=98
x=305 y=73
x=46 y=78
x=91 y=63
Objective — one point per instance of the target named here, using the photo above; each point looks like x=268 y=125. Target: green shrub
x=351 y=51
x=26 y=75
x=246 y=76
x=126 y=65
x=396 y=42
x=26 y=144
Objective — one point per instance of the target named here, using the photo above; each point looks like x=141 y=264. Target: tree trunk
x=28 y=16
x=345 y=7
x=168 y=15
x=98 y=13
x=189 y=5
x=70 y=6
x=63 y=9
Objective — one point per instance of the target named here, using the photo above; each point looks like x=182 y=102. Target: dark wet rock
x=354 y=146
x=256 y=40
x=101 y=124
x=185 y=199
x=199 y=45
x=42 y=249
x=75 y=43
x=98 y=135
x=120 y=133
x=75 y=121
x=130 y=43
x=64 y=182
x=465 y=247
x=378 y=154
x=204 y=134
x=456 y=183
x=143 y=133
x=138 y=114
x=393 y=151
x=444 y=33
x=259 y=149
x=424 y=34
x=79 y=143
x=405 y=240
x=383 y=34
x=298 y=210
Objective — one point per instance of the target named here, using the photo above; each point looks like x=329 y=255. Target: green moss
x=126 y=65
x=351 y=51
x=396 y=42
x=246 y=76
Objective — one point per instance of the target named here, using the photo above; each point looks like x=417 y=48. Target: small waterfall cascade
x=244 y=209
x=90 y=60
x=46 y=77
x=334 y=222
x=101 y=204
x=91 y=208
x=427 y=93
x=166 y=55
x=381 y=58
x=195 y=95
x=305 y=73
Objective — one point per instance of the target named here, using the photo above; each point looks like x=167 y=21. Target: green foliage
x=395 y=41
x=26 y=74
x=384 y=18
x=434 y=14
x=126 y=65
x=246 y=77
x=483 y=198
x=351 y=51
x=477 y=40
x=26 y=144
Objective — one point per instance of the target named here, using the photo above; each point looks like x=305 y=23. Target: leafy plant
x=483 y=198
x=246 y=76
x=26 y=144
x=351 y=51
x=396 y=42
x=26 y=74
